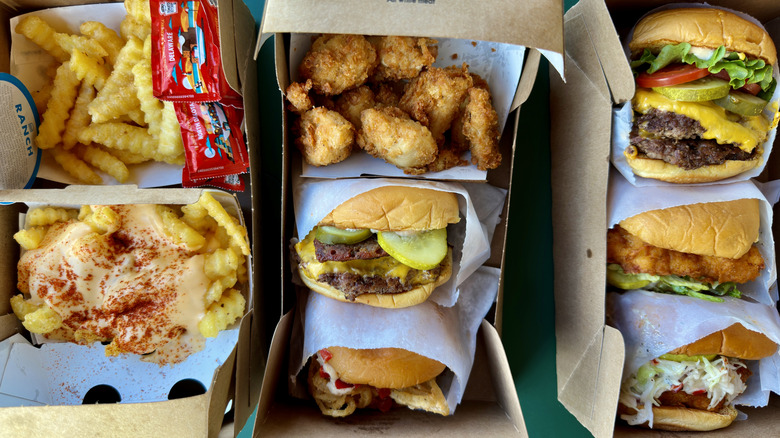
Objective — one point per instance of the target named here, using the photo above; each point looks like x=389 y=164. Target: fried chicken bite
x=402 y=57
x=476 y=128
x=298 y=95
x=351 y=103
x=324 y=136
x=337 y=63
x=433 y=98
x=388 y=93
x=390 y=134
x=449 y=156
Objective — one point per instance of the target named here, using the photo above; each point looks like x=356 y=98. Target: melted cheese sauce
x=133 y=285
x=747 y=134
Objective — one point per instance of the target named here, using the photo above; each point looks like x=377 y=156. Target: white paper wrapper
x=653 y=324
x=446 y=334
x=625 y=200
x=622 y=119
x=499 y=64
x=314 y=199
x=29 y=63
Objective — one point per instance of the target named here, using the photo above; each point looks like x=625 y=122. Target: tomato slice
x=671 y=75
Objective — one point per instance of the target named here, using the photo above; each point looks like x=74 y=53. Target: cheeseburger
x=343 y=379
x=703 y=78
x=386 y=247
x=693 y=387
x=702 y=250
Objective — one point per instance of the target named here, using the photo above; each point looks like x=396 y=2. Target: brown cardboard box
x=590 y=354
x=201 y=415
x=490 y=404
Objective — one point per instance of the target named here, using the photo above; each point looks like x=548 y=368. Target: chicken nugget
x=297 y=94
x=351 y=103
x=477 y=129
x=402 y=57
x=390 y=134
x=337 y=63
x=433 y=98
x=324 y=136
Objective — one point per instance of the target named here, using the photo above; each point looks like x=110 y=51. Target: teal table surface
x=529 y=330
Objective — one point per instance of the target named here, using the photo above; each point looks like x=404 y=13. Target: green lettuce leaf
x=671 y=284
x=741 y=71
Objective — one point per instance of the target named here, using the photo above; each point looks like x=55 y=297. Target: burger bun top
x=396 y=208
x=703 y=27
x=392 y=368
x=733 y=341
x=721 y=229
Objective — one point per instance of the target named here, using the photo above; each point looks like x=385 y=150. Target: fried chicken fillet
x=636 y=256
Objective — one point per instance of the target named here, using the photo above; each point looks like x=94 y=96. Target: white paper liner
x=653 y=324
x=625 y=200
x=622 y=118
x=446 y=334
x=501 y=65
x=28 y=62
x=314 y=199
x=61 y=373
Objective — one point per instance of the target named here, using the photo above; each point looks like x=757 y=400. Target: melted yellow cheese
x=747 y=134
x=383 y=266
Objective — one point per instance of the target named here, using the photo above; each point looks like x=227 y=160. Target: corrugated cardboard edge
x=589 y=354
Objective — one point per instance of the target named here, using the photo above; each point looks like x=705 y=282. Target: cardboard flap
x=591 y=392
x=594 y=45
x=502 y=377
x=530 y=68
x=580 y=168
x=530 y=23
x=124 y=194
x=227 y=43
x=274 y=368
x=174 y=418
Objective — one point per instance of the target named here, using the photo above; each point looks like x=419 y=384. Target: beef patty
x=341 y=252
x=676 y=139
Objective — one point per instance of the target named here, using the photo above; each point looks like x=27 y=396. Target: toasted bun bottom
x=703 y=27
x=683 y=419
x=734 y=341
x=663 y=171
x=396 y=208
x=389 y=301
x=391 y=368
x=720 y=229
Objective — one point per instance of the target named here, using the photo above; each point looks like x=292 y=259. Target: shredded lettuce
x=740 y=69
x=718 y=378
x=671 y=284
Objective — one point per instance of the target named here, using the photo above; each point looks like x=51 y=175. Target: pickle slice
x=423 y=250
x=741 y=103
x=334 y=236
x=700 y=90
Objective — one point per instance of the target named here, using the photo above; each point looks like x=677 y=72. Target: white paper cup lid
x=18 y=129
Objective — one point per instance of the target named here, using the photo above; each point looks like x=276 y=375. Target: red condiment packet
x=186 y=60
x=230 y=182
x=213 y=142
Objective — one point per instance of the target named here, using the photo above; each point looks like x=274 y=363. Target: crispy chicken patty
x=636 y=256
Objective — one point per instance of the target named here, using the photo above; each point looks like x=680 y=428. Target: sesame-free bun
x=391 y=368
x=663 y=171
x=703 y=27
x=722 y=229
x=679 y=419
x=734 y=341
x=396 y=208
x=388 y=301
